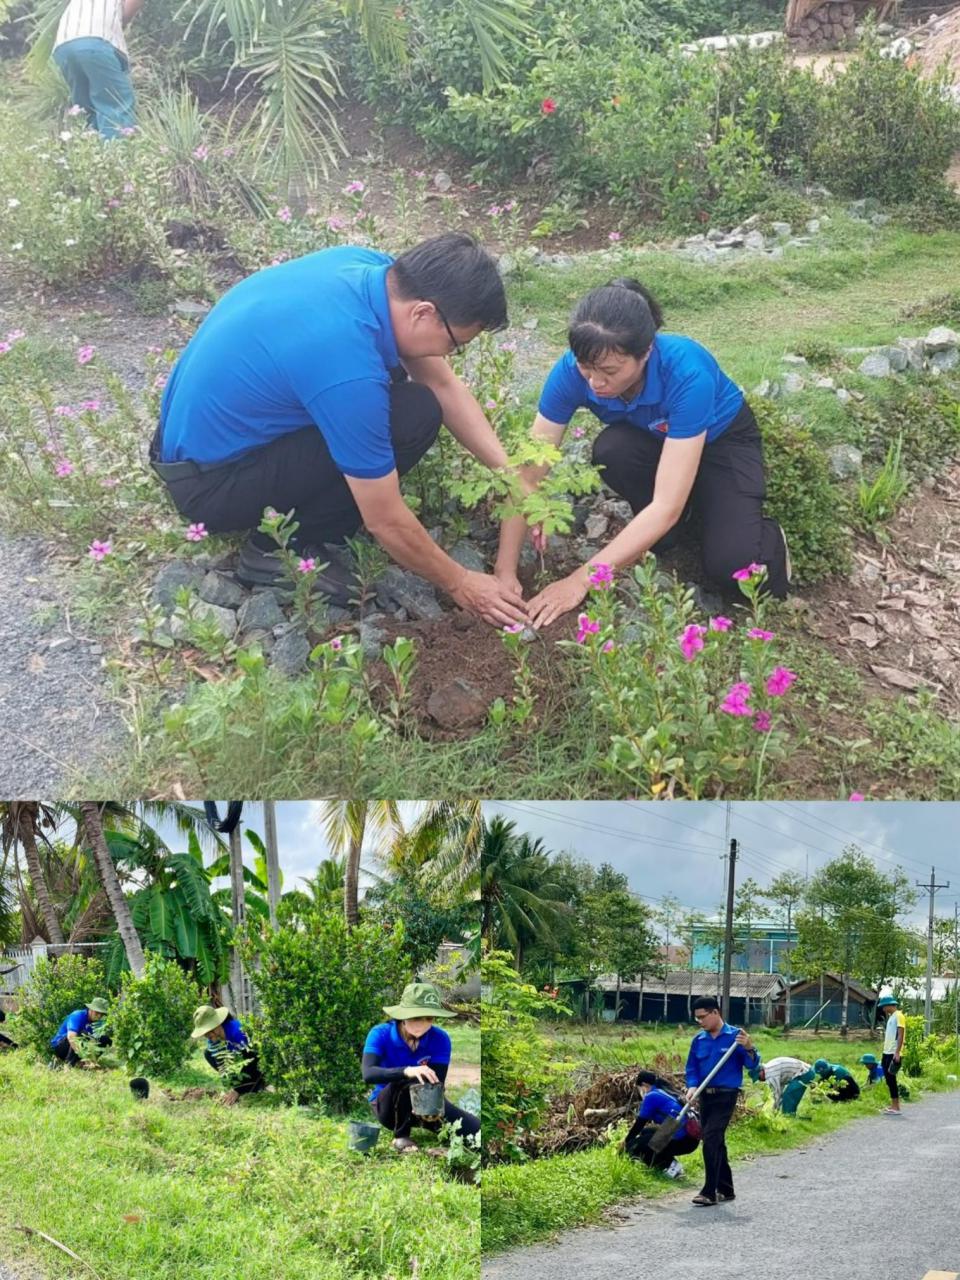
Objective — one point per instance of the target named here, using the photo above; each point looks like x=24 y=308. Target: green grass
x=159 y=1189
x=466 y=1042
x=527 y=1202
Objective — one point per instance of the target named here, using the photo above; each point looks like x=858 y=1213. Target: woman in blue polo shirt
x=407 y=1050
x=659 y=1103
x=677 y=431
x=227 y=1044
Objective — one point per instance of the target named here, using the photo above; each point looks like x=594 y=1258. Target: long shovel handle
x=703 y=1084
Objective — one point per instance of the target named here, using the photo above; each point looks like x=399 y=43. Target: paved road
x=876 y=1200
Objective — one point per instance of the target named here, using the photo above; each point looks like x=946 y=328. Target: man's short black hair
x=706 y=1002
x=456 y=274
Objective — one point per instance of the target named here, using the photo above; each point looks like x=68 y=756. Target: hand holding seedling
x=422 y=1074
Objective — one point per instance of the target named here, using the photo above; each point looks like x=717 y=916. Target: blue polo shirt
x=685 y=393
x=658 y=1105
x=706 y=1051
x=392 y=1050
x=78 y=1022
x=235 y=1039
x=306 y=342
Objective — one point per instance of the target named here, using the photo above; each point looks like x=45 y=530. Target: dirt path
x=459 y=1074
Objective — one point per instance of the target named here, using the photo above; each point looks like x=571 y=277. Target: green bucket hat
x=868 y=1060
x=98 y=1005
x=207 y=1019
x=884 y=1001
x=419 y=1000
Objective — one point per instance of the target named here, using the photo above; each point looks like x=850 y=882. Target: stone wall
x=831 y=26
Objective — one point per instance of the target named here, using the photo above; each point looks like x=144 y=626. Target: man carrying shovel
x=715 y=1064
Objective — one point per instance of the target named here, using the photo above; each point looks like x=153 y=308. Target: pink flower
x=4 y=348
x=90 y=406
x=201 y=152
x=614 y=236
x=758 y=633
x=99 y=550
x=354 y=188
x=762 y=722
x=228 y=152
x=284 y=214
x=306 y=565
x=494 y=211
x=508 y=346
x=720 y=623
x=336 y=224
x=490 y=404
x=74 y=110
x=578 y=433
x=601 y=577
x=85 y=354
x=336 y=643
x=779 y=681
x=735 y=703
x=513 y=628
x=64 y=411
x=587 y=627
x=856 y=795
x=196 y=532
x=128 y=130
x=548 y=106
x=64 y=468
x=109 y=482
x=608 y=647
x=113 y=203
x=15 y=335
x=691 y=642
x=744 y=575
x=128 y=187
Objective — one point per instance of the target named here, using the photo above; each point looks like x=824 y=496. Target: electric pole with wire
x=931 y=889
x=728 y=929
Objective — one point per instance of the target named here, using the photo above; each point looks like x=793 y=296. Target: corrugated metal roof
x=705 y=983
x=865 y=993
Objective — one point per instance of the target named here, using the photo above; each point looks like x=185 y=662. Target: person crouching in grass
x=78 y=1029
x=228 y=1048
x=659 y=1104
x=410 y=1050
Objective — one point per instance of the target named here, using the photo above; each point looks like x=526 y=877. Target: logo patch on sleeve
x=663 y=426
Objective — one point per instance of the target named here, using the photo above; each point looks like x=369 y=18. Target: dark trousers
x=66 y=1053
x=297 y=471
x=250 y=1079
x=844 y=1091
x=637 y=1145
x=728 y=495
x=716 y=1111
x=890 y=1069
x=7 y=1043
x=392 y=1108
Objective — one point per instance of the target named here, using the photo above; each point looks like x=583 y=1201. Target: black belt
x=720 y=1088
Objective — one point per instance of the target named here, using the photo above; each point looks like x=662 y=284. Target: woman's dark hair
x=658 y=1082
x=456 y=274
x=620 y=316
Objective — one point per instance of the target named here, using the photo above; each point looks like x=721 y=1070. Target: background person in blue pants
x=91 y=54
x=718 y=1101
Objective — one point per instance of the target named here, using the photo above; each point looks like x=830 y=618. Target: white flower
x=65 y=135
x=15 y=247
x=69 y=242
x=13 y=203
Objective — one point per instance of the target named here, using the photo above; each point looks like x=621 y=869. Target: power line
x=845 y=833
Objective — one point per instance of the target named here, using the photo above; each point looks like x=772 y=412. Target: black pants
x=250 y=1079
x=392 y=1108
x=7 y=1043
x=297 y=471
x=716 y=1111
x=844 y=1091
x=890 y=1069
x=637 y=1145
x=728 y=495
x=66 y=1053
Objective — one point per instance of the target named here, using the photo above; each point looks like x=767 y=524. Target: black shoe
x=703 y=1202
x=260 y=568
x=722 y=1199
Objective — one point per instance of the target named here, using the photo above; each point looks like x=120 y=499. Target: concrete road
x=877 y=1200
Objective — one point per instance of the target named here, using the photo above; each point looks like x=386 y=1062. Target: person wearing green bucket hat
x=874 y=1069
x=228 y=1048
x=83 y=1024
x=408 y=1051
x=894 y=1035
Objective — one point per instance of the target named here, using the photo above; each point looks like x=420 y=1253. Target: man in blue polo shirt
x=81 y=1024
x=316 y=384
x=719 y=1099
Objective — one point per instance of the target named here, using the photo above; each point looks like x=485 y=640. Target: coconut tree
x=20 y=820
x=346 y=824
x=519 y=901
x=444 y=845
x=93 y=828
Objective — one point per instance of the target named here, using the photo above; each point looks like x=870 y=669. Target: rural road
x=874 y=1201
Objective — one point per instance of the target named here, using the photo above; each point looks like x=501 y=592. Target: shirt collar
x=380 y=303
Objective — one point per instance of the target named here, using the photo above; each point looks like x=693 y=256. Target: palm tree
x=346 y=823
x=444 y=846
x=93 y=828
x=20 y=821
x=519 y=903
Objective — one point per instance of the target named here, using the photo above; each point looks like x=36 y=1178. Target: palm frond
x=383 y=30
x=497 y=25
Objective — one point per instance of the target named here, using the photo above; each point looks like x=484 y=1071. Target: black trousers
x=297 y=471
x=890 y=1069
x=250 y=1079
x=716 y=1111
x=637 y=1145
x=844 y=1091
x=7 y=1043
x=728 y=495
x=392 y=1108
x=66 y=1053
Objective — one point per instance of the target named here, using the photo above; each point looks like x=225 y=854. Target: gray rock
x=457 y=705
x=845 y=461
x=529 y=556
x=825 y=384
x=596 y=525
x=507 y=264
x=187 y=307
x=442 y=181
x=171 y=579
x=813 y=226
x=562 y=260
x=467 y=555
x=879 y=219
x=915 y=350
x=695 y=242
x=944 y=361
x=336 y=614
x=261 y=612
x=765 y=388
x=875 y=366
x=869 y=573
x=776 y=251
x=618 y=509
x=531 y=324
x=529 y=634
x=732 y=241
x=225 y=619
x=899 y=360
x=792 y=383
x=793 y=359
x=372 y=636
x=714 y=234
x=781 y=229
x=754 y=240
x=404 y=590
x=220 y=590
x=290 y=652
x=843 y=395
x=799 y=242
x=709 y=602
x=259 y=637
x=940 y=339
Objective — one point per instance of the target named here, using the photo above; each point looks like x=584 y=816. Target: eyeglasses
x=458 y=348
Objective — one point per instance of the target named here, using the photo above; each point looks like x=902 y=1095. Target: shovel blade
x=664 y=1133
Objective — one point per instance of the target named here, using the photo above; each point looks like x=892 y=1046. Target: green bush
x=321 y=988
x=152 y=1020
x=801 y=495
x=923 y=412
x=914 y=1053
x=56 y=988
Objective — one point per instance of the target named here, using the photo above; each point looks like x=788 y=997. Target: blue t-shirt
x=685 y=393
x=78 y=1022
x=306 y=342
x=658 y=1105
x=235 y=1039
x=706 y=1051
x=392 y=1050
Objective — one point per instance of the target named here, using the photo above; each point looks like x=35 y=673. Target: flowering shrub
x=690 y=707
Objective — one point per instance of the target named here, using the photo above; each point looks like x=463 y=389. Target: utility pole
x=728 y=932
x=931 y=889
x=273 y=859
